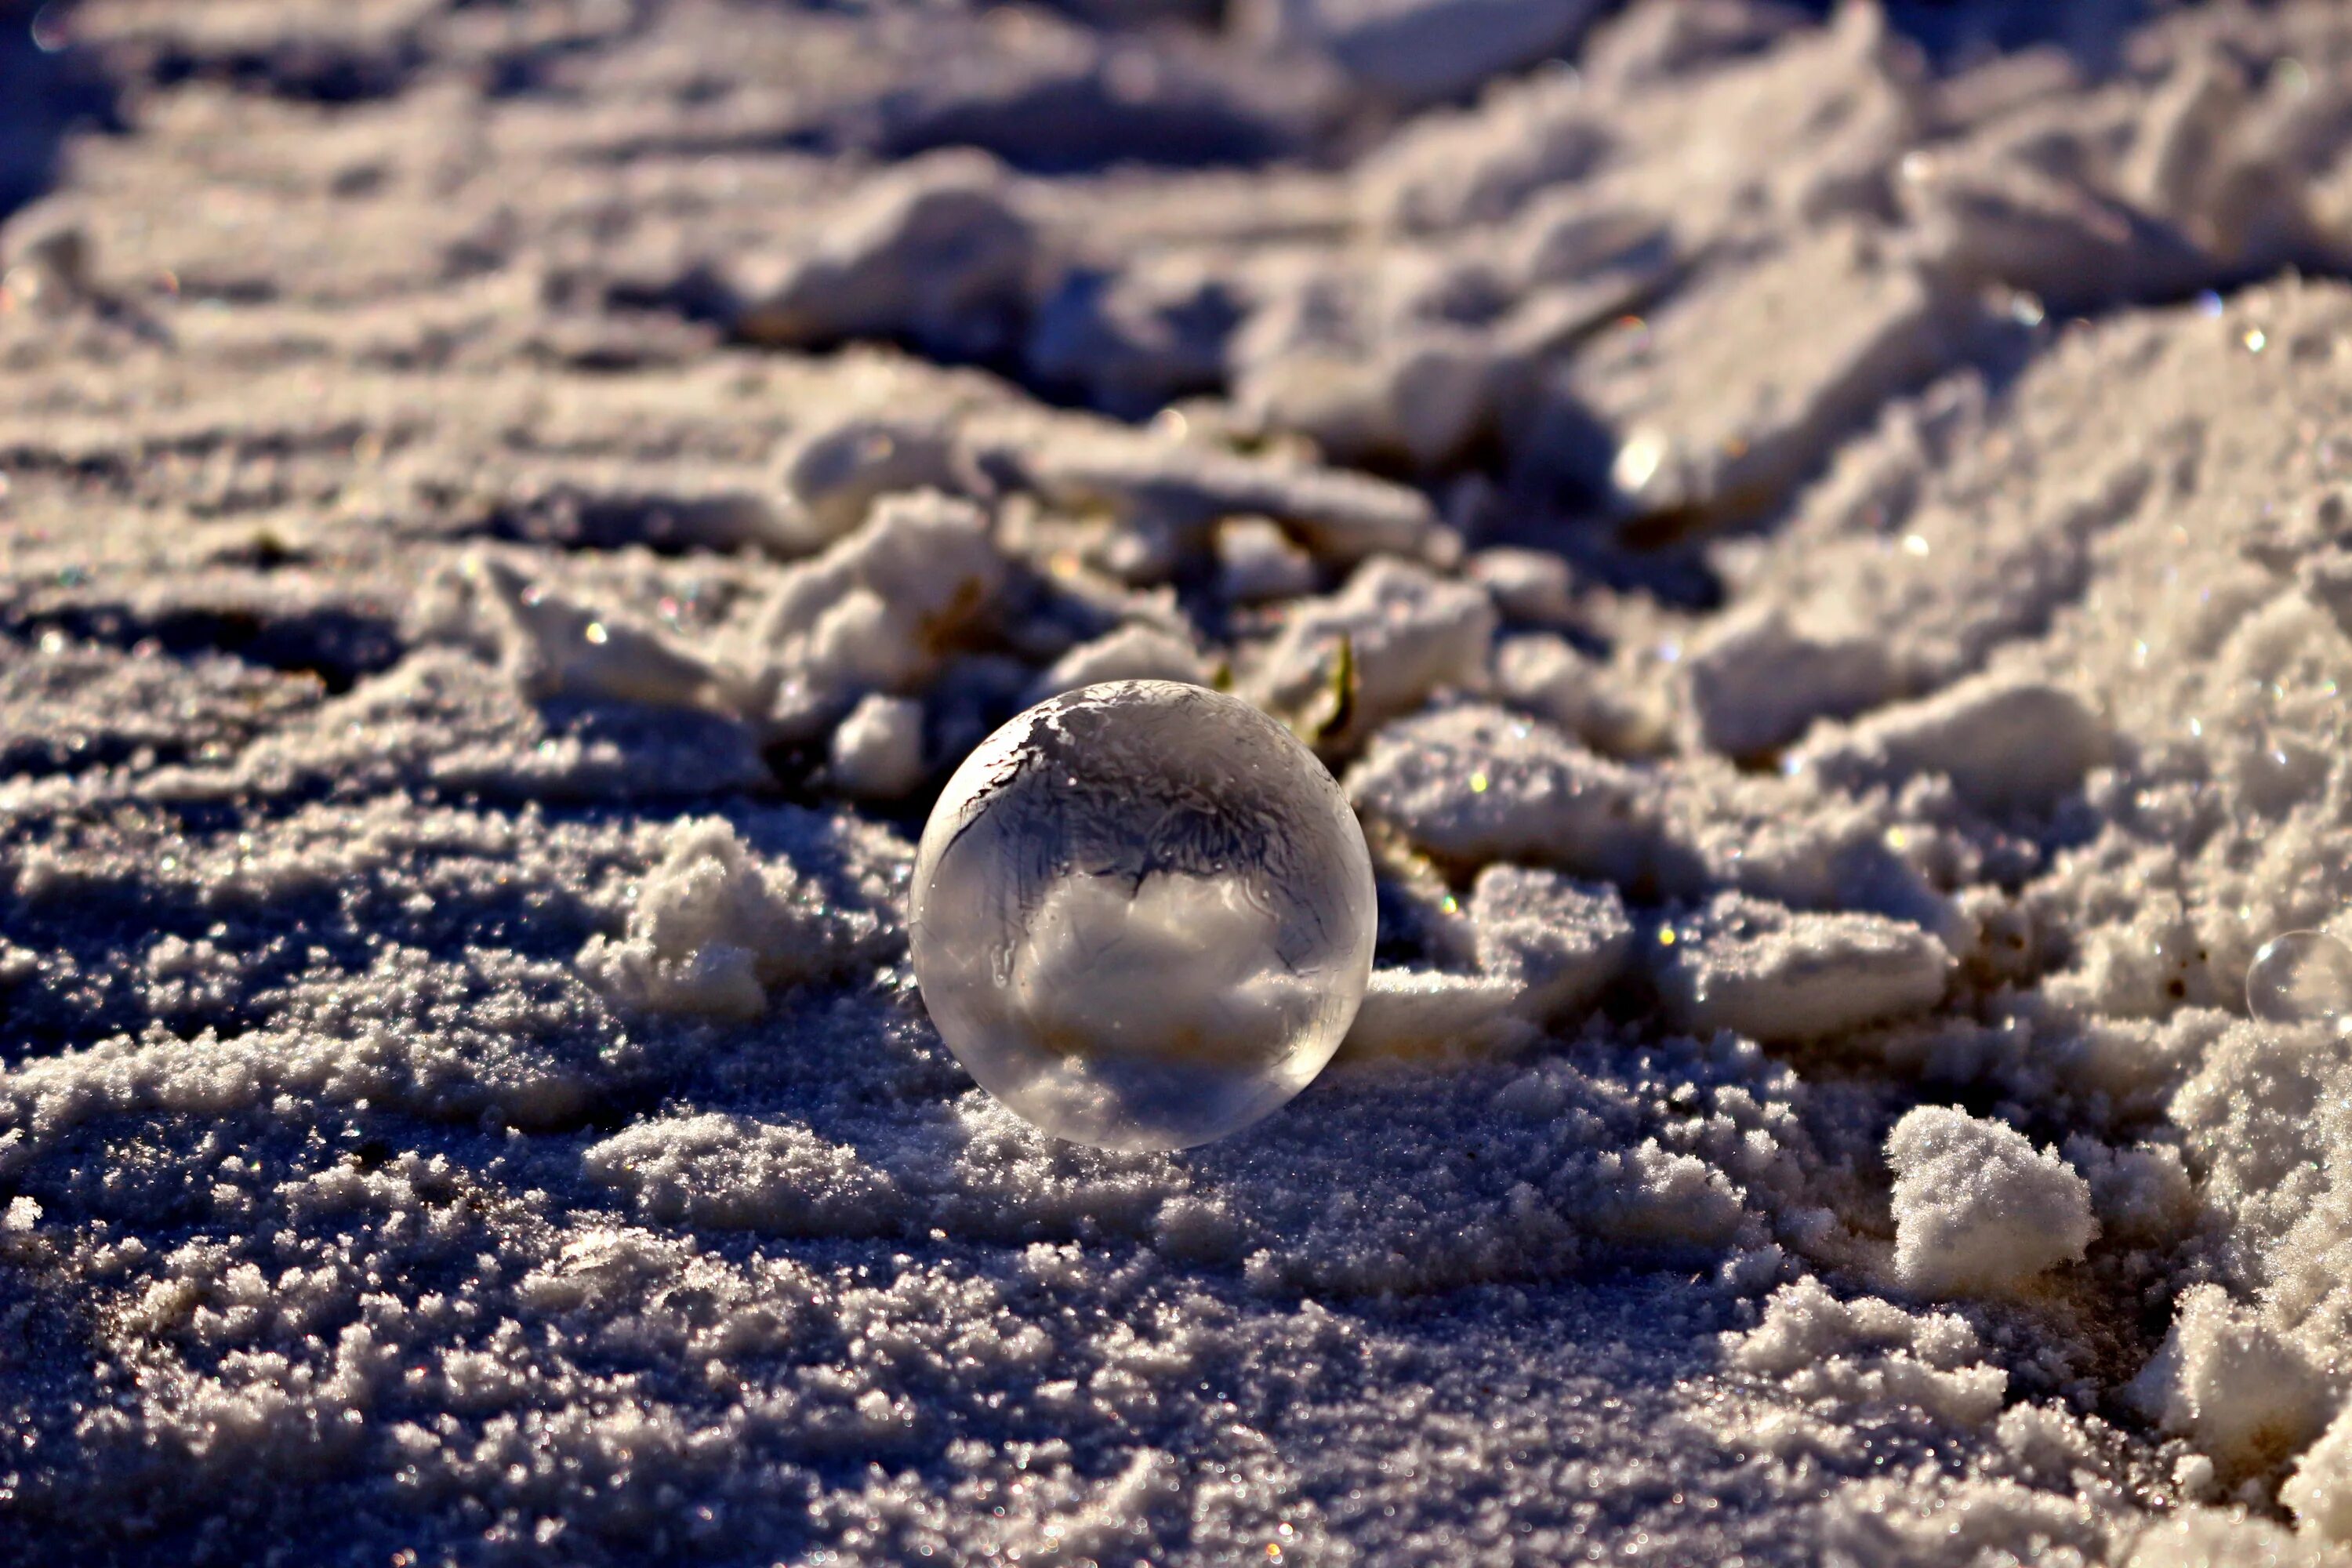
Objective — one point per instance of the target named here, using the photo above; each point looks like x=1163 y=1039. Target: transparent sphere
x=1142 y=915
x=2300 y=977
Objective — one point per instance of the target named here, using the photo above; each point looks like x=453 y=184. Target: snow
x=876 y=752
x=936 y=250
x=1759 y=970
x=710 y=928
x=1133 y=652
x=1978 y=1209
x=2003 y=742
x=511 y=510
x=2233 y=1385
x=835 y=470
x=1408 y=632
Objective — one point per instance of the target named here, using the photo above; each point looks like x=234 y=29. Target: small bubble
x=49 y=28
x=2300 y=977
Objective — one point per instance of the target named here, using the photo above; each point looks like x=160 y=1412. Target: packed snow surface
x=1816 y=541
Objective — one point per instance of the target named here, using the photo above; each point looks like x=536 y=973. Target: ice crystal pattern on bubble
x=1142 y=915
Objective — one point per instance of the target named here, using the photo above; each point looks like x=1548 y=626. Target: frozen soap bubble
x=1142 y=915
x=2302 y=977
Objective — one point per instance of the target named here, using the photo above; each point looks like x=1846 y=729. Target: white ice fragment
x=1412 y=1013
x=1151 y=333
x=1532 y=585
x=1756 y=681
x=1763 y=971
x=551 y=646
x=877 y=611
x=1475 y=783
x=1658 y=1196
x=1257 y=562
x=48 y=257
x=1545 y=674
x=712 y=929
x=876 y=752
x=1452 y=168
x=1411 y=633
x=1565 y=942
x=1805 y=1325
x=2233 y=1384
x=1418 y=50
x=1867 y=1353
x=1341 y=515
x=2199 y=1537
x=833 y=471
x=1717 y=411
x=2004 y=741
x=1419 y=391
x=1978 y=1209
x=936 y=249
x=2142 y=1193
x=1132 y=652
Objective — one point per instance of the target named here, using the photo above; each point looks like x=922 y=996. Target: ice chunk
x=1978 y=1209
x=1533 y=585
x=1867 y=1352
x=878 y=610
x=1418 y=50
x=1133 y=652
x=1708 y=423
x=1565 y=942
x=1142 y=337
x=1593 y=701
x=1257 y=562
x=1476 y=784
x=1341 y=516
x=876 y=752
x=1418 y=1013
x=936 y=249
x=1762 y=970
x=1755 y=681
x=1446 y=170
x=1410 y=632
x=2004 y=741
x=2319 y=1492
x=2218 y=1538
x=835 y=471
x=552 y=646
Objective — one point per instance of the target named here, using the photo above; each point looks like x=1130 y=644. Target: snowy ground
x=510 y=512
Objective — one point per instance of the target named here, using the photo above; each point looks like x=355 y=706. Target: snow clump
x=711 y=931
x=1978 y=1209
